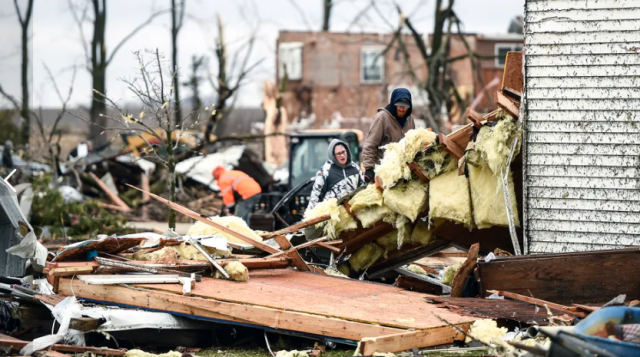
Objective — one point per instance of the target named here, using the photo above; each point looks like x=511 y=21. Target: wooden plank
x=8 y=341
x=451 y=147
x=330 y=247
x=416 y=170
x=112 y=196
x=296 y=227
x=417 y=285
x=187 y=212
x=308 y=293
x=414 y=339
x=567 y=278
x=77 y=270
x=193 y=265
x=512 y=74
x=229 y=311
x=351 y=243
x=505 y=103
x=460 y=279
x=297 y=247
x=537 y=302
x=475 y=117
x=296 y=259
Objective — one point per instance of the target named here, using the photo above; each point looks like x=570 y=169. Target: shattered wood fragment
x=187 y=212
x=330 y=247
x=505 y=103
x=417 y=285
x=492 y=116
x=413 y=339
x=296 y=227
x=475 y=117
x=8 y=341
x=451 y=147
x=112 y=196
x=296 y=259
x=538 y=302
x=460 y=279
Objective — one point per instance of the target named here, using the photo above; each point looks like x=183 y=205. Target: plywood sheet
x=325 y=295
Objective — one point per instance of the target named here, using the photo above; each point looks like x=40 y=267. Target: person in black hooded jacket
x=338 y=177
x=388 y=126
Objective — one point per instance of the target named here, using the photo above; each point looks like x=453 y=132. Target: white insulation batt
x=340 y=220
x=393 y=165
x=407 y=198
x=487 y=197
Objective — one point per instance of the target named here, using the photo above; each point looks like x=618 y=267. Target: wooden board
x=230 y=312
x=512 y=75
x=566 y=278
x=322 y=295
x=413 y=339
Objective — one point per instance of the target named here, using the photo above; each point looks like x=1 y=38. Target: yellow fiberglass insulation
x=421 y=233
x=393 y=165
x=340 y=220
x=365 y=257
x=487 y=198
x=449 y=272
x=371 y=215
x=389 y=241
x=417 y=269
x=344 y=268
x=404 y=228
x=234 y=223
x=495 y=142
x=407 y=198
x=294 y=353
x=172 y=254
x=449 y=199
x=368 y=197
x=436 y=161
x=487 y=331
x=236 y=270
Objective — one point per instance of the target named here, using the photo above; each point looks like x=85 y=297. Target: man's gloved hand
x=369 y=175
x=231 y=209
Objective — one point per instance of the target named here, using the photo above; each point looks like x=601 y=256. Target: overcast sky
x=56 y=37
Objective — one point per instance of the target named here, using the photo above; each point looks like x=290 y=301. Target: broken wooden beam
x=539 y=302
x=507 y=105
x=69 y=271
x=187 y=212
x=413 y=339
x=418 y=285
x=186 y=265
x=475 y=117
x=112 y=196
x=460 y=279
x=416 y=170
x=450 y=146
x=296 y=259
x=329 y=247
x=296 y=227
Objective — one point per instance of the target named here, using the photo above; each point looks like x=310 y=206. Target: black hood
x=331 y=148
x=399 y=93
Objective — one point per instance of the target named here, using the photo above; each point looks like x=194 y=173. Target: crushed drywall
x=393 y=165
x=407 y=198
x=449 y=199
x=234 y=223
x=487 y=197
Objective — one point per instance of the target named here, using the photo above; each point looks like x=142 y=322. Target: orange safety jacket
x=238 y=181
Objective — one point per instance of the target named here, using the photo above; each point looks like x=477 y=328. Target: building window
x=372 y=64
x=501 y=50
x=290 y=55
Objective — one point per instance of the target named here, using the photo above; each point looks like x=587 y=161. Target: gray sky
x=56 y=39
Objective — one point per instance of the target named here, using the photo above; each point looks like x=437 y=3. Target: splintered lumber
x=416 y=170
x=450 y=146
x=284 y=299
x=566 y=278
x=112 y=196
x=475 y=117
x=296 y=259
x=460 y=279
x=77 y=270
x=296 y=227
x=189 y=213
x=538 y=302
x=8 y=341
x=507 y=105
x=297 y=247
x=414 y=339
x=329 y=246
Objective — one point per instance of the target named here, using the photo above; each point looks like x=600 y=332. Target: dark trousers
x=245 y=207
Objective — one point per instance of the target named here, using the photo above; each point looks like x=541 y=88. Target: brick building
x=344 y=73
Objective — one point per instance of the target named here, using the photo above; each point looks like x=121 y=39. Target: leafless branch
x=133 y=33
x=79 y=20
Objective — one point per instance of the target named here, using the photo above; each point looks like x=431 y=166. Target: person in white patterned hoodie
x=338 y=177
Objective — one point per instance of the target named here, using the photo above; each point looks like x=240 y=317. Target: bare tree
x=177 y=19
x=194 y=81
x=326 y=14
x=96 y=55
x=225 y=85
x=150 y=88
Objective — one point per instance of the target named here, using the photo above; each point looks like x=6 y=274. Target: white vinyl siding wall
x=582 y=115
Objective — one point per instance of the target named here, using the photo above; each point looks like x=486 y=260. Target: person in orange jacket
x=239 y=191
